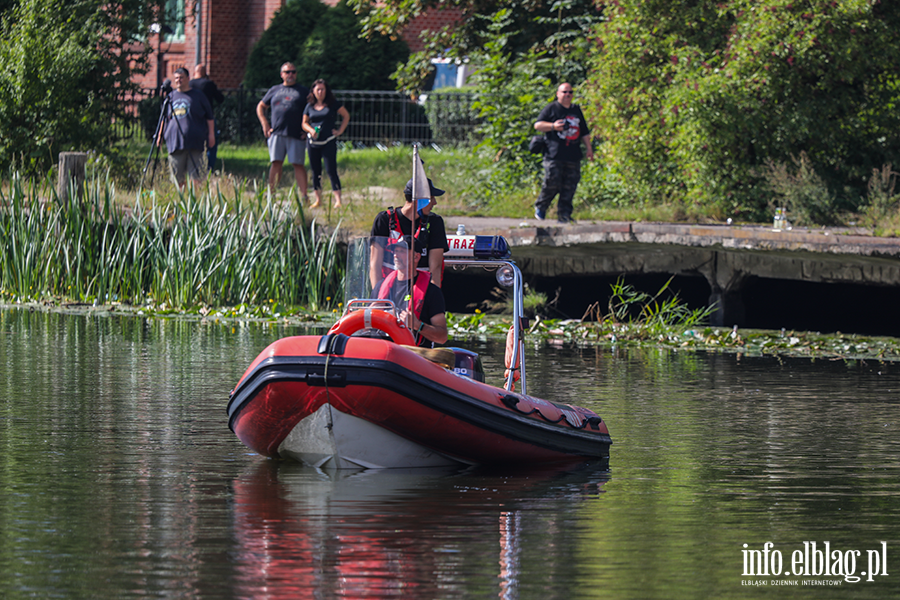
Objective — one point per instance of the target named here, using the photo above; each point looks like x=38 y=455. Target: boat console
x=490 y=252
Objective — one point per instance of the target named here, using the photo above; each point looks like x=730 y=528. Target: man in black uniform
x=209 y=88
x=392 y=223
x=285 y=134
x=565 y=129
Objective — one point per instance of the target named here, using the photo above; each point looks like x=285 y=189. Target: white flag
x=420 y=188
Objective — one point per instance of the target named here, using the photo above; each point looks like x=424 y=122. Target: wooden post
x=71 y=167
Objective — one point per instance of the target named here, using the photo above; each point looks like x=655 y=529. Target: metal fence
x=377 y=118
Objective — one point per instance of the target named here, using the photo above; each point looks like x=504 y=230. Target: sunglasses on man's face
x=566 y=92
x=289 y=72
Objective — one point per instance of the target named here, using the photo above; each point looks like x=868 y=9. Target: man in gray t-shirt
x=285 y=135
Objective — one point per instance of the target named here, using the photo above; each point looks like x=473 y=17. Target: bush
x=882 y=197
x=335 y=52
x=695 y=99
x=61 y=76
x=451 y=116
x=282 y=42
x=802 y=192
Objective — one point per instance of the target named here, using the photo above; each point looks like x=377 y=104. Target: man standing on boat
x=564 y=126
x=392 y=223
x=428 y=320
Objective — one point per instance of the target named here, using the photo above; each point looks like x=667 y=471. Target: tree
x=334 y=51
x=323 y=43
x=282 y=42
x=6 y=5
x=63 y=67
x=558 y=29
x=696 y=99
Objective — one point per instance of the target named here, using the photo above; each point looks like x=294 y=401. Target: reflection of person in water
x=429 y=321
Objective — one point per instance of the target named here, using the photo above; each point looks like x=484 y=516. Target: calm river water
x=119 y=478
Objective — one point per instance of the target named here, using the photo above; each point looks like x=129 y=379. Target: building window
x=174 y=18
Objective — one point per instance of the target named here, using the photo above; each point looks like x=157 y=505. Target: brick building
x=222 y=33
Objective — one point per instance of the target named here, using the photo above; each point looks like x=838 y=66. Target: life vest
x=423 y=231
x=423 y=279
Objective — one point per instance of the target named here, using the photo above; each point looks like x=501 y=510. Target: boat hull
x=329 y=438
x=378 y=404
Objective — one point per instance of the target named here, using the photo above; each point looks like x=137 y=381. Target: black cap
x=404 y=241
x=407 y=191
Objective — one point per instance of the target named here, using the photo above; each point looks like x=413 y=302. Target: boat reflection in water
x=303 y=532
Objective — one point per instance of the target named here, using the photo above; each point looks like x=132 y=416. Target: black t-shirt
x=209 y=89
x=564 y=145
x=287 y=103
x=432 y=226
x=325 y=119
x=186 y=127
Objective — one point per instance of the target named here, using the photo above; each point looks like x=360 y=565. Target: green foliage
x=801 y=191
x=450 y=114
x=512 y=86
x=534 y=303
x=281 y=42
x=882 y=194
x=683 y=337
x=335 y=52
x=201 y=249
x=659 y=310
x=602 y=188
x=693 y=99
x=60 y=75
x=511 y=91
x=560 y=27
x=323 y=43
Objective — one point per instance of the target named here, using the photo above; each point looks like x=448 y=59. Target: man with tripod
x=188 y=125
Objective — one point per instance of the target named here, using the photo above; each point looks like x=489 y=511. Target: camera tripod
x=165 y=91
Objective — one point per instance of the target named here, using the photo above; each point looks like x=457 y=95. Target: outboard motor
x=468 y=364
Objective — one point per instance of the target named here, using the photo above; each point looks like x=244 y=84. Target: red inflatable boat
x=341 y=401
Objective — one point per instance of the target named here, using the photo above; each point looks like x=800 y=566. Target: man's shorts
x=279 y=145
x=182 y=162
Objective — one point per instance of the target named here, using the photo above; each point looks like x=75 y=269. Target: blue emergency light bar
x=480 y=247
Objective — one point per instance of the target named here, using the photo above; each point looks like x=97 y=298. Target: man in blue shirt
x=188 y=126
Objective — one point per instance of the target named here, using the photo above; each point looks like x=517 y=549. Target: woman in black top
x=320 y=123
